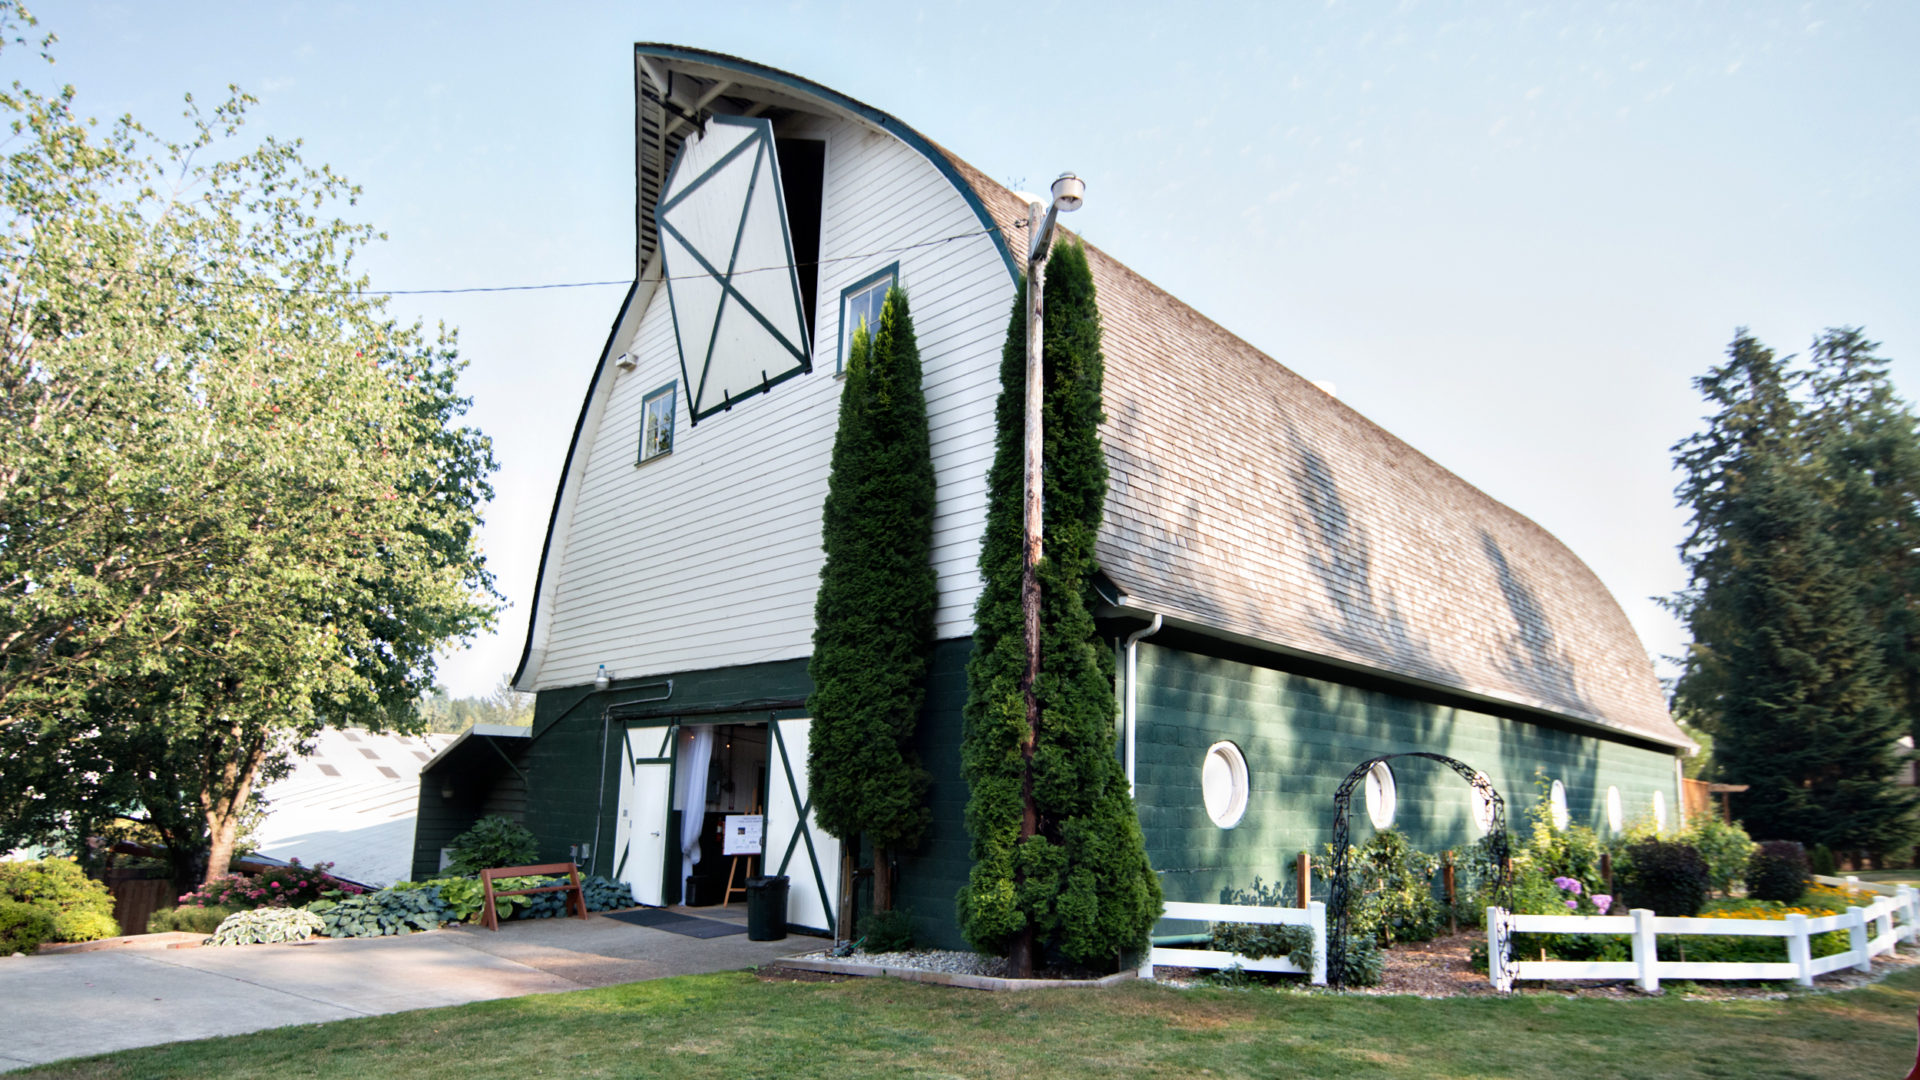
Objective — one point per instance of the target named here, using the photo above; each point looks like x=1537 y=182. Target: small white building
x=352 y=803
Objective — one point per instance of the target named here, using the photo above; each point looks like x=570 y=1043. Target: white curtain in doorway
x=692 y=782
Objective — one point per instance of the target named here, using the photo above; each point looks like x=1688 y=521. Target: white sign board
x=743 y=834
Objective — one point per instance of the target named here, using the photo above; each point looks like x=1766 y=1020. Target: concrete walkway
x=67 y=1005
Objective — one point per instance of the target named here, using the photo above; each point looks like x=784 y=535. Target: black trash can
x=767 y=908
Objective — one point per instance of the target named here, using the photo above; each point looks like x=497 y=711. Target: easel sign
x=743 y=832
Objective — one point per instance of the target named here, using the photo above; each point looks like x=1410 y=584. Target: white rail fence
x=1313 y=916
x=1872 y=931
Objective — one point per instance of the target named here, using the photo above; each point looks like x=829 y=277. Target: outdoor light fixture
x=1068 y=193
x=604 y=679
x=627 y=361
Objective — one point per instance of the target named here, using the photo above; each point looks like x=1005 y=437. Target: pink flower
x=1573 y=905
x=274 y=884
x=1602 y=901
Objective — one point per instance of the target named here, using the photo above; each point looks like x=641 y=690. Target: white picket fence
x=1313 y=916
x=1872 y=931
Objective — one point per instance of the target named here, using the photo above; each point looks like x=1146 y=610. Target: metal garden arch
x=1338 y=893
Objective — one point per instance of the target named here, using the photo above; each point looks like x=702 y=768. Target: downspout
x=1130 y=705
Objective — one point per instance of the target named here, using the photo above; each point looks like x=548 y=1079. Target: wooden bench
x=576 y=898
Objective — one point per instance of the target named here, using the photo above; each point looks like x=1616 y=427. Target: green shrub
x=887 y=931
x=1821 y=861
x=1777 y=871
x=81 y=908
x=1391 y=889
x=383 y=913
x=493 y=842
x=1257 y=941
x=188 y=919
x=1364 y=962
x=605 y=894
x=266 y=925
x=1667 y=877
x=23 y=927
x=1726 y=847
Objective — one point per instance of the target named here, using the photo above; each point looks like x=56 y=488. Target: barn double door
x=794 y=843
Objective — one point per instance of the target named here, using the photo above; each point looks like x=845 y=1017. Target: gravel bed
x=948 y=961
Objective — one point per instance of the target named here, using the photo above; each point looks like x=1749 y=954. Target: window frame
x=889 y=273
x=671 y=392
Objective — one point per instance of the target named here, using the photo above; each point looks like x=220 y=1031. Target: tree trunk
x=223 y=807
x=849 y=860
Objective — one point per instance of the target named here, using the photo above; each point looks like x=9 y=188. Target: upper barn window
x=860 y=304
x=737 y=232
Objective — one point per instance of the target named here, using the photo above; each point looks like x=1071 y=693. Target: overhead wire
x=543 y=286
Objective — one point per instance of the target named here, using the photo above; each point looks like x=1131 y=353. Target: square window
x=656 y=422
x=860 y=303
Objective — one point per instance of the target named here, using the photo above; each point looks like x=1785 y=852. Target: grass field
x=736 y=1026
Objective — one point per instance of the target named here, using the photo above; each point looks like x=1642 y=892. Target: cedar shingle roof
x=1245 y=499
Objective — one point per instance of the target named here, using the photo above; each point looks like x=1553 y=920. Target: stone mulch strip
x=941 y=967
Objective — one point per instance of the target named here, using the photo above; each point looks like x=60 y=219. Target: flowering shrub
x=282 y=886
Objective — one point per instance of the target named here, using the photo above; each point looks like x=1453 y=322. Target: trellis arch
x=1342 y=846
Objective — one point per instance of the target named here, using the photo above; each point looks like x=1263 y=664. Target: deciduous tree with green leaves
x=873 y=619
x=1081 y=884
x=236 y=501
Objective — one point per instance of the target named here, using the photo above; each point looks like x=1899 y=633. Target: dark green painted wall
x=931 y=877
x=1302 y=735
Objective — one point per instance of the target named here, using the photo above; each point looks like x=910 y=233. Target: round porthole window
x=1483 y=804
x=1557 y=800
x=1616 y=816
x=1660 y=811
x=1383 y=799
x=1223 y=784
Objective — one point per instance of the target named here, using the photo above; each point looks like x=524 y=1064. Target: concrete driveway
x=66 y=1005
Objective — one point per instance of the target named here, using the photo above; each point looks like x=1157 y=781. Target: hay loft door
x=640 y=840
x=795 y=844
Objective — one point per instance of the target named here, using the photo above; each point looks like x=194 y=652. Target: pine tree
x=1867 y=447
x=1785 y=668
x=873 y=619
x=1081 y=884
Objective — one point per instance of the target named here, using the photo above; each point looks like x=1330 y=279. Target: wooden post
x=1800 y=949
x=1857 y=939
x=1606 y=870
x=1646 y=950
x=1497 y=973
x=1317 y=912
x=1303 y=878
x=1020 y=952
x=1446 y=876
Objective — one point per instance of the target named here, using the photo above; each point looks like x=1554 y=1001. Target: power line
x=544 y=286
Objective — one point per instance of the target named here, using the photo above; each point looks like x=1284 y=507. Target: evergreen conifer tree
x=1081 y=884
x=873 y=619
x=1786 y=667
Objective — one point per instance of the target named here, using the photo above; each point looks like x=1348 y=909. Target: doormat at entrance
x=675 y=923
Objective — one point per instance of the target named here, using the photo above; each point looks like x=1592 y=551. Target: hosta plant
x=262 y=926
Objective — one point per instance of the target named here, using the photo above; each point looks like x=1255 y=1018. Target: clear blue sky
x=1510 y=234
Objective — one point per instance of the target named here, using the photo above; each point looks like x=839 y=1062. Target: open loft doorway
x=718 y=812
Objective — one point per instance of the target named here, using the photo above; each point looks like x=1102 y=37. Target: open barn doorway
x=720 y=795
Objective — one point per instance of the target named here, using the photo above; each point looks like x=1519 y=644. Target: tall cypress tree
x=1785 y=667
x=873 y=619
x=1081 y=884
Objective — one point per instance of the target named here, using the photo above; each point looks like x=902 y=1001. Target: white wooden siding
x=710 y=556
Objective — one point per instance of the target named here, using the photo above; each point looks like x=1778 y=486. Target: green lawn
x=735 y=1026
